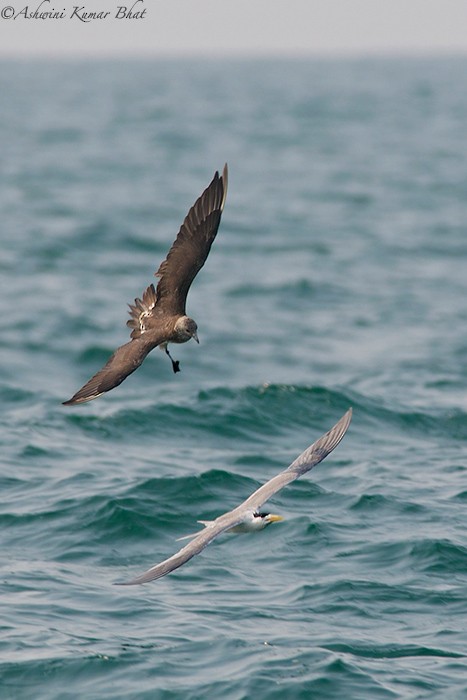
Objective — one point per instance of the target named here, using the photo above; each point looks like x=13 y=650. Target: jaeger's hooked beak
x=271 y=518
x=195 y=337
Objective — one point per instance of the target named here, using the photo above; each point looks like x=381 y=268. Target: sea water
x=338 y=278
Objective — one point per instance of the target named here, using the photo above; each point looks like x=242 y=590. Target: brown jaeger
x=159 y=317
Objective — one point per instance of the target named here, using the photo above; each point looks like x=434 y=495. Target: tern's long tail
x=193 y=534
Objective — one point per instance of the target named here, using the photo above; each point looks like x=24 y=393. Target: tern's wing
x=123 y=362
x=191 y=247
x=200 y=541
x=312 y=456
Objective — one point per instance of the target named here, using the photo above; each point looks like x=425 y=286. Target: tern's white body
x=255 y=522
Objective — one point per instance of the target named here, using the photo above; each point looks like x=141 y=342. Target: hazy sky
x=234 y=26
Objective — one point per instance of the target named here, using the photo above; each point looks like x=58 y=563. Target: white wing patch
x=140 y=311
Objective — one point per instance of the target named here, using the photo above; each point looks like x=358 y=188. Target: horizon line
x=139 y=54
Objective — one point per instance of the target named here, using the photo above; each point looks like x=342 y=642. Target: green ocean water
x=338 y=278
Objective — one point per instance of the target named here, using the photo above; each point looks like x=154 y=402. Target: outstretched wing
x=197 y=544
x=312 y=456
x=191 y=247
x=123 y=362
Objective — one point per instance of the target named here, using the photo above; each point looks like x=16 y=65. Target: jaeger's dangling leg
x=175 y=363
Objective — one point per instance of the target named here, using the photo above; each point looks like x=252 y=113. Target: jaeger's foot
x=175 y=363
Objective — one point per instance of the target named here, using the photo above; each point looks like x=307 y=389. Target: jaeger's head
x=186 y=328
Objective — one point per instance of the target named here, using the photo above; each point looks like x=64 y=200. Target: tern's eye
x=259 y=515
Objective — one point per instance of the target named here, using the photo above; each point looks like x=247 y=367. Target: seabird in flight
x=159 y=317
x=246 y=517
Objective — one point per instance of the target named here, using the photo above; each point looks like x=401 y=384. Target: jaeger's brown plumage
x=160 y=316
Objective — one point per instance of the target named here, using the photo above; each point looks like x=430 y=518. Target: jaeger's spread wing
x=191 y=247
